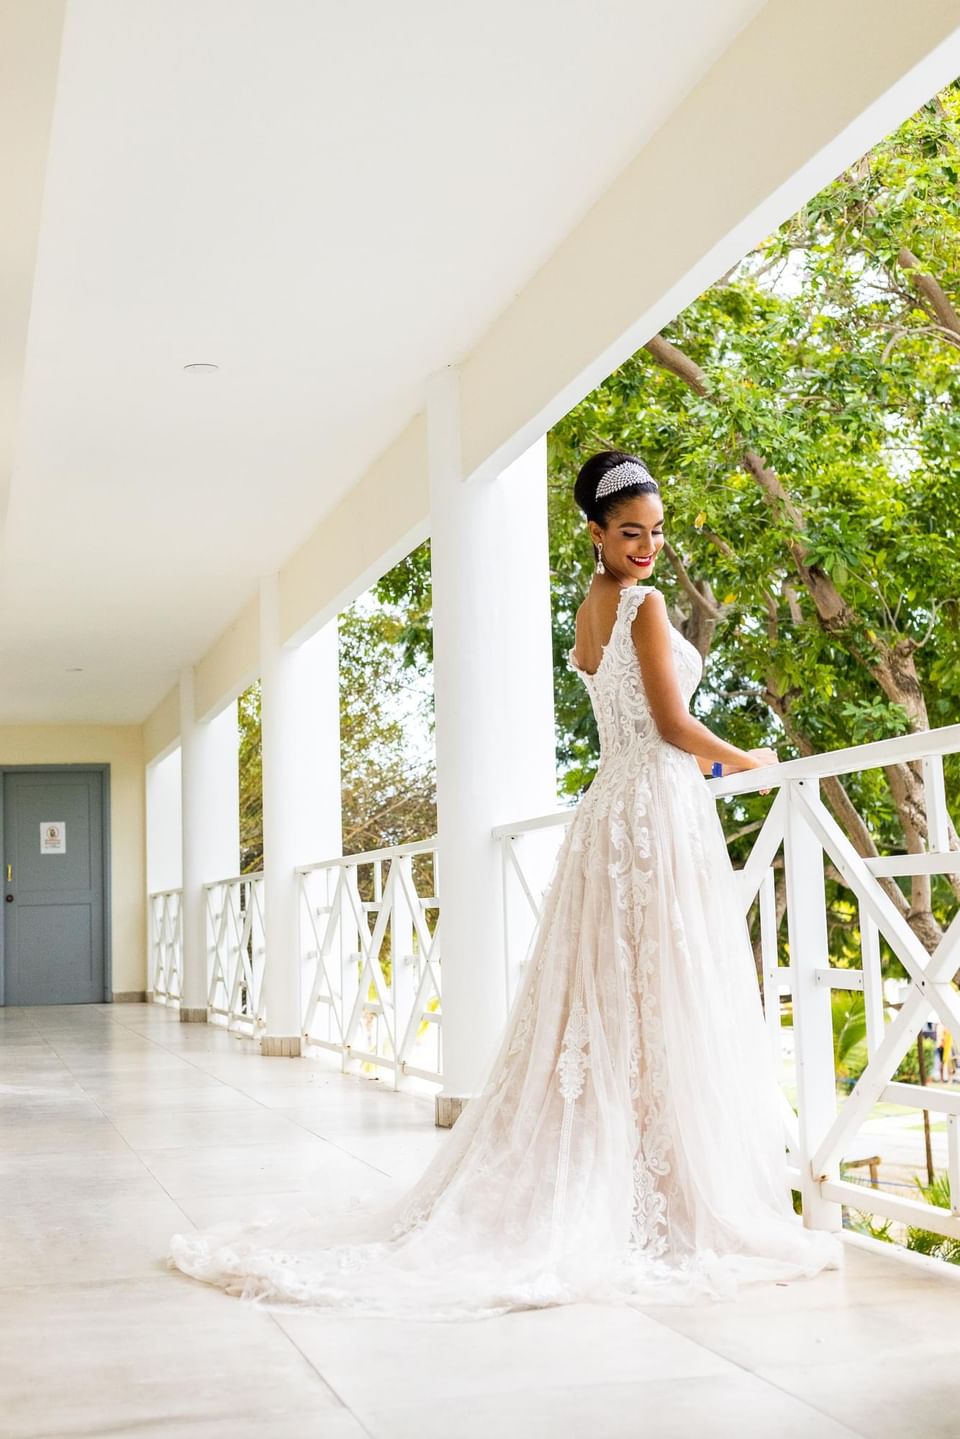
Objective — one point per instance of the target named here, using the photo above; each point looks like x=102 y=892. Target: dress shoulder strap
x=631 y=599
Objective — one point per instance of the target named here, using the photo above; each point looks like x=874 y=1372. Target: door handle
x=9 y=873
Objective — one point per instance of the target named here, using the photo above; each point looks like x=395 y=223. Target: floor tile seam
x=110 y=1282
x=301 y=1126
x=324 y=1140
x=118 y=1023
x=41 y=1036
x=605 y=1384
x=166 y=1048
x=944 y=1351
x=139 y=1158
x=194 y=1149
x=374 y=1169
x=745 y=1368
x=321 y=1376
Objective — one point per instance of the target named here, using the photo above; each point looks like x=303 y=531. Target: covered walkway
x=129 y=1125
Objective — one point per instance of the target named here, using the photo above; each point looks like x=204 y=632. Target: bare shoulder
x=651 y=612
x=651 y=624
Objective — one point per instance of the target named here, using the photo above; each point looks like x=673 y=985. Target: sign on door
x=53 y=836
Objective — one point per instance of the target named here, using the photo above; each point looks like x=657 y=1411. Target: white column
x=493 y=679
x=210 y=818
x=812 y=1021
x=300 y=719
x=164 y=830
x=163 y=824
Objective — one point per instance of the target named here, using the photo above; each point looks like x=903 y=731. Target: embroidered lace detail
x=629 y=740
x=627 y=1142
x=572 y=1064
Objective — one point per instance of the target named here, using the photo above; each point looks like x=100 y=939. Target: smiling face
x=632 y=538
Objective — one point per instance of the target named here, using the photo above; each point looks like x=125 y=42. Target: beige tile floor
x=119 y=1126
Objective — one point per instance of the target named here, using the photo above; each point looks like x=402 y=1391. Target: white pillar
x=493 y=680
x=812 y=1019
x=162 y=808
x=300 y=725
x=210 y=819
x=163 y=824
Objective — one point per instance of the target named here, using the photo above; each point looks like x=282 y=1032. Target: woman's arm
x=651 y=637
x=706 y=765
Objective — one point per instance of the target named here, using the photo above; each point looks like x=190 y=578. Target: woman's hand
x=760 y=758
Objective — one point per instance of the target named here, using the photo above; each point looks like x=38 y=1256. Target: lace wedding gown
x=628 y=1144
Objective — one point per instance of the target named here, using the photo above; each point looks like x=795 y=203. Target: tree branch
x=679 y=364
x=712 y=610
x=932 y=291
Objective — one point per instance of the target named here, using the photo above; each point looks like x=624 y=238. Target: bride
x=628 y=1143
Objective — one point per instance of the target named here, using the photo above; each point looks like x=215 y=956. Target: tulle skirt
x=628 y=1145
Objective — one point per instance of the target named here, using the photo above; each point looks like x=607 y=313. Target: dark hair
x=585 y=486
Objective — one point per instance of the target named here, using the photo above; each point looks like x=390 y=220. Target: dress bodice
x=625 y=723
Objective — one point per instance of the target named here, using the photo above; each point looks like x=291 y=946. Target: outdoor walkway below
x=119 y=1126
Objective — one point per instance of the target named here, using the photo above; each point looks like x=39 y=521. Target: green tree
x=387 y=780
x=251 y=781
x=802 y=418
x=389 y=794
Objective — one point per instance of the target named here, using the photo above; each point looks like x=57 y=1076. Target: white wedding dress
x=628 y=1145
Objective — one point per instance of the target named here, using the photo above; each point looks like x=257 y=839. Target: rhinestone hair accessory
x=631 y=472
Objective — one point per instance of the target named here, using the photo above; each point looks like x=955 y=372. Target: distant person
x=945 y=1051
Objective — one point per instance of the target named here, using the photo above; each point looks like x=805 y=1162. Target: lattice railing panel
x=236 y=947
x=166 y=946
x=370 y=947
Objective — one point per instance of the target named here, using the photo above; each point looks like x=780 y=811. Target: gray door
x=53 y=887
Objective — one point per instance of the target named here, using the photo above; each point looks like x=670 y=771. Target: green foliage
x=908 y=1070
x=388 y=785
x=822 y=353
x=873 y=1225
x=921 y=1241
x=849 y=1032
x=820 y=356
x=406 y=591
x=251 y=781
x=938 y=1246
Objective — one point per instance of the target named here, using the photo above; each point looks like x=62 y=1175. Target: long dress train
x=628 y=1145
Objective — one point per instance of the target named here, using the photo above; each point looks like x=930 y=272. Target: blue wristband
x=716 y=771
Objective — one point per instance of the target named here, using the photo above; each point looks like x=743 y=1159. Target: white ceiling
x=330 y=202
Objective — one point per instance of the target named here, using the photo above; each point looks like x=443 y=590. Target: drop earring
x=601 y=569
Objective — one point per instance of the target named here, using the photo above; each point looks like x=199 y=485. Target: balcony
x=128 y=1125
x=268 y=327
x=393 y=1028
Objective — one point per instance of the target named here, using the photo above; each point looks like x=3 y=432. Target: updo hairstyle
x=593 y=471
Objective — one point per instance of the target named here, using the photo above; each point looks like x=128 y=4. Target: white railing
x=823 y=1133
x=166 y=946
x=371 y=970
x=363 y=918
x=235 y=952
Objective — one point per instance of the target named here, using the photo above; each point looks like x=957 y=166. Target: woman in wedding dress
x=628 y=1144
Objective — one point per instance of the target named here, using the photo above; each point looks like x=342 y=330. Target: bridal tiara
x=631 y=472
